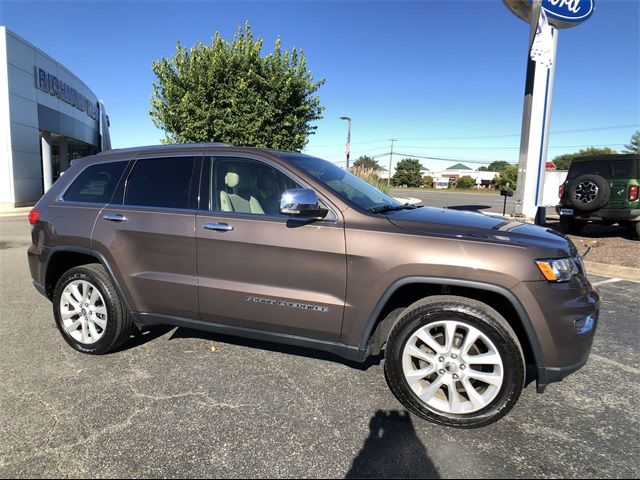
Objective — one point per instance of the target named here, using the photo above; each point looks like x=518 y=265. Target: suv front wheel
x=88 y=311
x=454 y=361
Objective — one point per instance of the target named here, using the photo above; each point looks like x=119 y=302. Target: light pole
x=390 y=160
x=347 y=148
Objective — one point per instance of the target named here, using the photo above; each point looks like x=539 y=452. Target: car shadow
x=392 y=450
x=594 y=230
x=471 y=208
x=183 y=332
x=140 y=337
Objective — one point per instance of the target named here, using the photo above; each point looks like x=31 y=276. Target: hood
x=478 y=226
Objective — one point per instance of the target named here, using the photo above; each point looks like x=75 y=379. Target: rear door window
x=592 y=168
x=160 y=182
x=96 y=183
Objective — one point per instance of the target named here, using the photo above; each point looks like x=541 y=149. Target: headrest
x=232 y=179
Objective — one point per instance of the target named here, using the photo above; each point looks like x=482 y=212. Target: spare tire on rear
x=589 y=192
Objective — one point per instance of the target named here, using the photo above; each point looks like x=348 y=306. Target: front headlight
x=559 y=270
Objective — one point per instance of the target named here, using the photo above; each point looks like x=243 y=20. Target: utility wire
x=475 y=137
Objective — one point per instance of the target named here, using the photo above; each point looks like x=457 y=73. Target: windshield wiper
x=391 y=208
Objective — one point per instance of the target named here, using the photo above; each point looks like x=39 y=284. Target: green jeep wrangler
x=601 y=189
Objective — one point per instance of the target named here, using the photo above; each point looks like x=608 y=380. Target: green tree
x=507 y=179
x=483 y=169
x=497 y=166
x=634 y=144
x=367 y=163
x=228 y=92
x=466 y=182
x=563 y=162
x=427 y=181
x=408 y=173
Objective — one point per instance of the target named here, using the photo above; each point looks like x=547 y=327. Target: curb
x=615 y=271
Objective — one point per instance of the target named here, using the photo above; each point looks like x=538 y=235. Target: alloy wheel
x=83 y=312
x=453 y=367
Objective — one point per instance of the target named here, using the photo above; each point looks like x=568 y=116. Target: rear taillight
x=633 y=193
x=34 y=215
x=561 y=191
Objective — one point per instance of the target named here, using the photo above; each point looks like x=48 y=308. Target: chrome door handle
x=221 y=227
x=115 y=218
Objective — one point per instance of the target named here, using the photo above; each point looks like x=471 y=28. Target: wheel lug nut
x=441 y=372
x=441 y=359
x=454 y=356
x=455 y=376
x=462 y=367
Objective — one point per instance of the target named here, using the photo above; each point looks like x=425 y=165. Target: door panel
x=254 y=275
x=268 y=272
x=154 y=254
x=151 y=246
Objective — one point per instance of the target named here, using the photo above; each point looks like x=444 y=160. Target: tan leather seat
x=237 y=199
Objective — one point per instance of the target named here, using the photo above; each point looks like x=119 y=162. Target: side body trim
x=346 y=351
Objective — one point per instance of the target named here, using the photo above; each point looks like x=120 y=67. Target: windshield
x=344 y=184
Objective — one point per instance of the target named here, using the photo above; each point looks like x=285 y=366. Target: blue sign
x=572 y=11
x=560 y=13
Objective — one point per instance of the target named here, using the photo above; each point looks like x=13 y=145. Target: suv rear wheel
x=454 y=361
x=88 y=311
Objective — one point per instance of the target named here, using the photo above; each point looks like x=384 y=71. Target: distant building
x=450 y=176
x=48 y=117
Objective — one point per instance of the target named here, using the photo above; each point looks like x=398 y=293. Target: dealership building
x=48 y=118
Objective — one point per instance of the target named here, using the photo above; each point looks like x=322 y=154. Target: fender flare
x=523 y=316
x=98 y=256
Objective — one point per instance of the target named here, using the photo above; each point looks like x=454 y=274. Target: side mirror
x=302 y=202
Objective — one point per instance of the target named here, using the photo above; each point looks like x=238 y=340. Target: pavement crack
x=208 y=401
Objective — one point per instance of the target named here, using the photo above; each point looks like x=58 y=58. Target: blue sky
x=445 y=78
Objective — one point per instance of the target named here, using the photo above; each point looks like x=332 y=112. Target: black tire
x=637 y=229
x=586 y=183
x=476 y=314
x=119 y=325
x=571 y=225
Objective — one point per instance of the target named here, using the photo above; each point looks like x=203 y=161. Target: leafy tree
x=507 y=179
x=483 y=169
x=408 y=173
x=497 y=166
x=634 y=144
x=367 y=163
x=466 y=182
x=563 y=162
x=228 y=92
x=427 y=181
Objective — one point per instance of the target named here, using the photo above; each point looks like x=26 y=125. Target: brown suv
x=284 y=247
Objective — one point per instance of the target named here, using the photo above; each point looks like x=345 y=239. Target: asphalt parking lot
x=176 y=403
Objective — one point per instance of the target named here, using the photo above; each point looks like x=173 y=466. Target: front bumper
x=565 y=318
x=548 y=375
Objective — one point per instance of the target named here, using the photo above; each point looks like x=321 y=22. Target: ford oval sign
x=560 y=13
